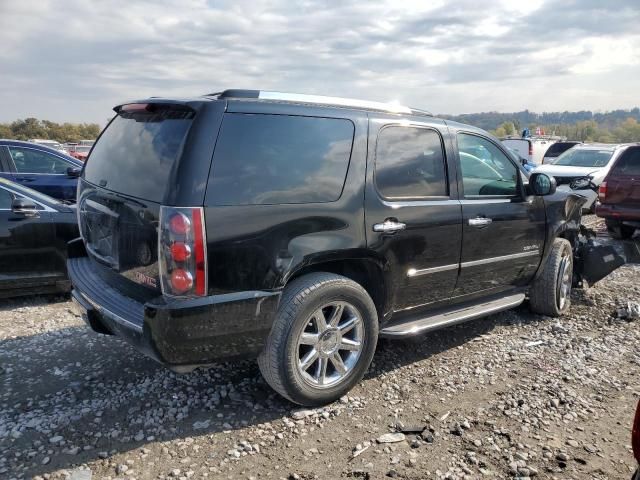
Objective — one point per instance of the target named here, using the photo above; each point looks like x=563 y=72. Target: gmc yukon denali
x=299 y=229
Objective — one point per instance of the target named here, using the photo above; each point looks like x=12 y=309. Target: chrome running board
x=414 y=326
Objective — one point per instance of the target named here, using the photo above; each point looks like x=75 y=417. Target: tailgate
x=121 y=233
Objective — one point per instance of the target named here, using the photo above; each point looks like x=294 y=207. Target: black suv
x=299 y=229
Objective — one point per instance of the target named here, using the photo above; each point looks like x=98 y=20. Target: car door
x=43 y=171
x=503 y=229
x=26 y=244
x=413 y=217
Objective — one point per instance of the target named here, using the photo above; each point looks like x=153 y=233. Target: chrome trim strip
x=413 y=272
x=492 y=199
x=339 y=101
x=454 y=317
x=503 y=258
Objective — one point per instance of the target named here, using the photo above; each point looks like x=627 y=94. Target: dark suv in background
x=298 y=229
x=619 y=195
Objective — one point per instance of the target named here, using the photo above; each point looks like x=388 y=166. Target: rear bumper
x=618 y=212
x=179 y=333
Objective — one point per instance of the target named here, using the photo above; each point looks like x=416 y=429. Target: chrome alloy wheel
x=330 y=344
x=565 y=278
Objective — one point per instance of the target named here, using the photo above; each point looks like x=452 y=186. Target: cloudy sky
x=73 y=60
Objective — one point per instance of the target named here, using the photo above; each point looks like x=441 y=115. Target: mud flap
x=596 y=257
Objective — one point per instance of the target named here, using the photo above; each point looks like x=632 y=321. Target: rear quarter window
x=263 y=159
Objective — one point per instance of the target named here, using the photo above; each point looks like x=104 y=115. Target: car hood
x=566 y=171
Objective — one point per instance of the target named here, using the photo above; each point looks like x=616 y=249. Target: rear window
x=137 y=151
x=274 y=159
x=629 y=163
x=557 y=148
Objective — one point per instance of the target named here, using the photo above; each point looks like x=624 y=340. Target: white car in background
x=51 y=144
x=532 y=149
x=584 y=160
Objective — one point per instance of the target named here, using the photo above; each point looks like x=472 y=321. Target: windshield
x=583 y=158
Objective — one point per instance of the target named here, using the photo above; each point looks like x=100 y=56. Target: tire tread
x=272 y=357
x=542 y=294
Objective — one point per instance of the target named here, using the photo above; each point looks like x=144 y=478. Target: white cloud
x=74 y=60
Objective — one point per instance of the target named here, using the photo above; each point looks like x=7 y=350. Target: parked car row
x=50 y=143
x=40 y=168
x=537 y=150
x=592 y=160
x=80 y=152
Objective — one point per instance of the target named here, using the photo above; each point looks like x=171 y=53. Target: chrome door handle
x=480 y=222
x=389 y=226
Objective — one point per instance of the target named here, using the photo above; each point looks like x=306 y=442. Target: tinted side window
x=34 y=161
x=410 y=163
x=271 y=159
x=629 y=163
x=5 y=199
x=485 y=169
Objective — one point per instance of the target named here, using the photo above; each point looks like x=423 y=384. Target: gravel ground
x=514 y=395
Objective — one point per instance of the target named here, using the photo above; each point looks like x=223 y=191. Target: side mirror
x=24 y=206
x=582 y=183
x=73 y=172
x=542 y=184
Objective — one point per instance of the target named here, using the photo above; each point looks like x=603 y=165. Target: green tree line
x=45 y=129
x=624 y=131
x=611 y=127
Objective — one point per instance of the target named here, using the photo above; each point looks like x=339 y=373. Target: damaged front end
x=596 y=255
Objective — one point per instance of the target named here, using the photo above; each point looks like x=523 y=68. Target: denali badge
x=145 y=280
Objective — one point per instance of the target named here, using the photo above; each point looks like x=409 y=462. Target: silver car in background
x=585 y=160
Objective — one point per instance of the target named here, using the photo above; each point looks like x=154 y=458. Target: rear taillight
x=635 y=435
x=182 y=247
x=530 y=149
x=602 y=191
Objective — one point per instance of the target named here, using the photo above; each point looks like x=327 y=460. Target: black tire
x=279 y=358
x=618 y=230
x=545 y=295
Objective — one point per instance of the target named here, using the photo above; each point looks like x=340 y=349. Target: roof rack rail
x=317 y=99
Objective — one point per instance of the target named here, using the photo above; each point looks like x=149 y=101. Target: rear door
x=503 y=230
x=43 y=171
x=413 y=215
x=623 y=183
